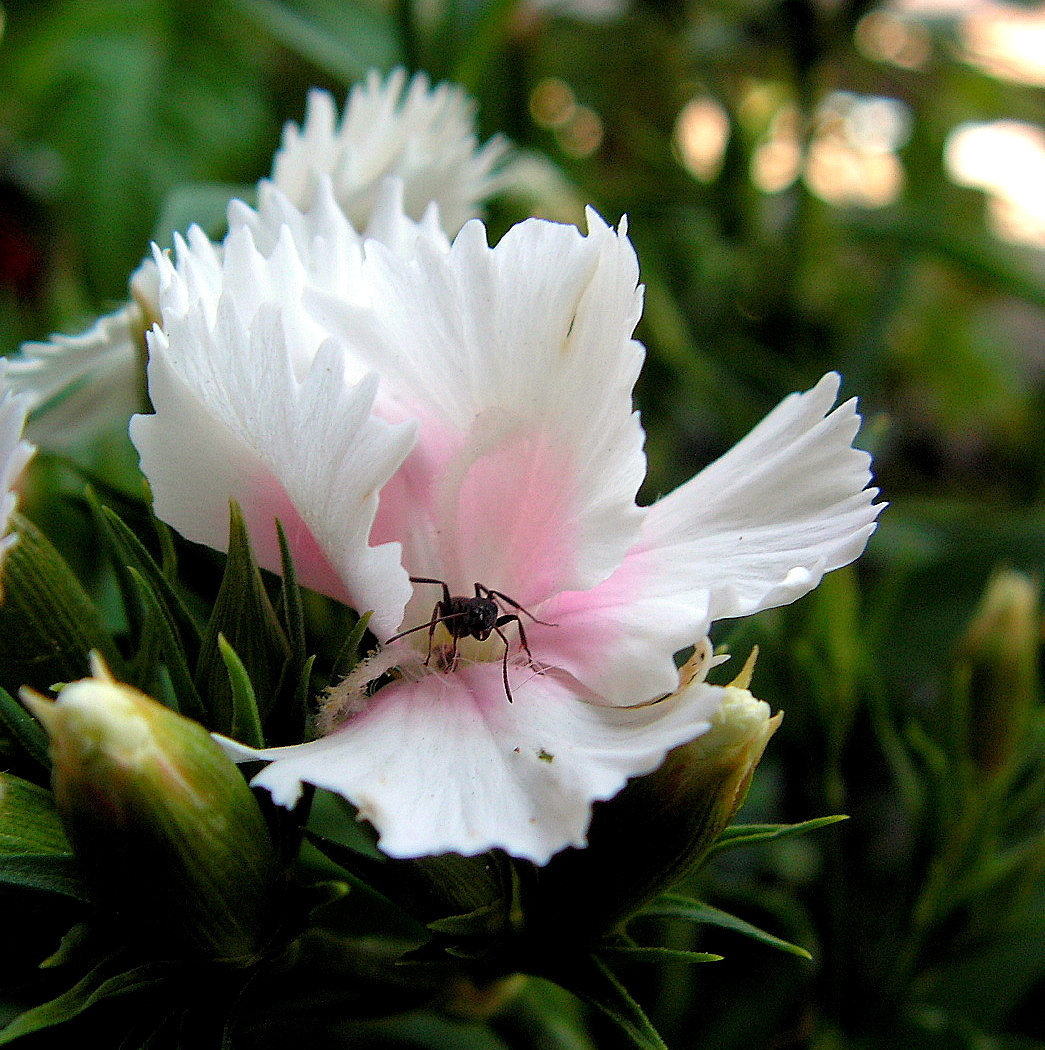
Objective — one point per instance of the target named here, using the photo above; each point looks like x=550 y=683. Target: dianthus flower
x=434 y=411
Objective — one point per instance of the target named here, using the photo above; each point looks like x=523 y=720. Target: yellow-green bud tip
x=165 y=827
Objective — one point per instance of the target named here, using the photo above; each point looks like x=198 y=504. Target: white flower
x=485 y=395
x=398 y=142
x=15 y=453
x=421 y=134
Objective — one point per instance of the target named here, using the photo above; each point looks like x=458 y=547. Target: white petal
x=327 y=244
x=518 y=362
x=447 y=764
x=79 y=383
x=423 y=135
x=757 y=528
x=761 y=525
x=15 y=453
x=251 y=404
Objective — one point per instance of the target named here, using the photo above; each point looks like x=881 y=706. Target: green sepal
x=48 y=625
x=753 y=834
x=25 y=729
x=99 y=984
x=671 y=906
x=590 y=978
x=244 y=615
x=246 y=722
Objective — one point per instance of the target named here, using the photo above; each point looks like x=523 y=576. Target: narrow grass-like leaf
x=170 y=650
x=99 y=984
x=752 y=834
x=244 y=615
x=672 y=906
x=246 y=722
x=640 y=953
x=348 y=656
x=25 y=729
x=131 y=553
x=292 y=613
x=590 y=978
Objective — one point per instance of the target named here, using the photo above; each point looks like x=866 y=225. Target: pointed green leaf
x=348 y=656
x=25 y=729
x=29 y=821
x=48 y=625
x=158 y=633
x=292 y=614
x=78 y=939
x=244 y=615
x=246 y=722
x=672 y=906
x=483 y=921
x=97 y=985
x=751 y=834
x=590 y=978
x=654 y=954
x=131 y=553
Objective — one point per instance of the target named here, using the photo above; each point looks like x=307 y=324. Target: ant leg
x=439 y=583
x=433 y=623
x=504 y=663
x=515 y=605
x=508 y=618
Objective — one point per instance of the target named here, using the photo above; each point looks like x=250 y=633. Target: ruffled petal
x=757 y=528
x=423 y=135
x=251 y=403
x=518 y=362
x=447 y=764
x=761 y=525
x=328 y=245
x=83 y=382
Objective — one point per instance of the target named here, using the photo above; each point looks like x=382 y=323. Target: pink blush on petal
x=496 y=506
x=516 y=519
x=261 y=508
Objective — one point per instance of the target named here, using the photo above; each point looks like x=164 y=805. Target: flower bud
x=660 y=827
x=165 y=827
x=996 y=671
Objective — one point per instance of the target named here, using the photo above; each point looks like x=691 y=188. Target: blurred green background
x=809 y=186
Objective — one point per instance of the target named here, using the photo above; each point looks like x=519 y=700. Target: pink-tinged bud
x=661 y=826
x=995 y=680
x=164 y=825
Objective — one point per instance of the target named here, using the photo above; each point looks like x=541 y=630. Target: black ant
x=476 y=617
